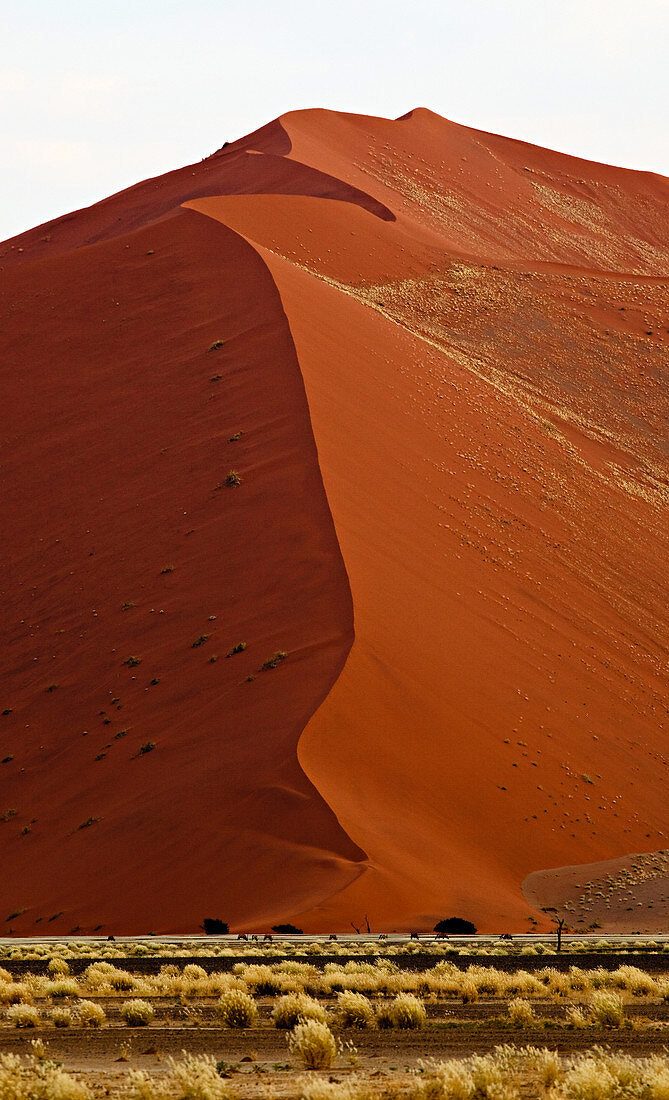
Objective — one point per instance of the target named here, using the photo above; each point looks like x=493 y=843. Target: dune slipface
x=433 y=359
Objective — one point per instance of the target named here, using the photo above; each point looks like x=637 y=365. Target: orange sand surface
x=445 y=353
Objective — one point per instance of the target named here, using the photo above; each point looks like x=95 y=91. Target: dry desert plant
x=61 y=1017
x=354 y=1010
x=407 y=1012
x=314 y=1044
x=293 y=1007
x=23 y=1015
x=56 y=965
x=197 y=1078
x=521 y=1013
x=89 y=1014
x=237 y=1009
x=137 y=1013
x=607 y=1010
x=37 y=1078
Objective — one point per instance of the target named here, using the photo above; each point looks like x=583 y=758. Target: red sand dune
x=444 y=352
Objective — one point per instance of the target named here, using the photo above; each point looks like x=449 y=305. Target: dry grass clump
x=105 y=979
x=494 y=1076
x=37 y=1078
x=406 y=1012
x=61 y=987
x=89 y=1014
x=606 y=1075
x=197 y=1078
x=314 y=1044
x=293 y=1007
x=521 y=1013
x=59 y=966
x=61 y=1017
x=237 y=1009
x=607 y=1010
x=137 y=1013
x=23 y=1015
x=317 y=1088
x=509 y=1072
x=354 y=1010
x=259 y=979
x=12 y=993
x=193 y=1077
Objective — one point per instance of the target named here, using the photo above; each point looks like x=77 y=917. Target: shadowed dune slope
x=123 y=540
x=480 y=327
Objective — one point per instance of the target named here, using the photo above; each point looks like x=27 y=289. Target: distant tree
x=214 y=927
x=287 y=930
x=455 y=926
x=560 y=923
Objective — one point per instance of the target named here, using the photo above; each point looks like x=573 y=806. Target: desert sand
x=434 y=358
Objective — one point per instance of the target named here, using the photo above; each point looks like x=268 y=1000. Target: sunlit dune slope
x=475 y=332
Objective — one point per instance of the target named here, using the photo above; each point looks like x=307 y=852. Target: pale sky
x=95 y=96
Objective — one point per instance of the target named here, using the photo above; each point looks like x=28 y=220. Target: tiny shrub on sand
x=37 y=1079
x=317 y=1088
x=606 y=1009
x=237 y=1009
x=58 y=966
x=21 y=1015
x=293 y=1007
x=192 y=1078
x=354 y=1010
x=196 y=1078
x=407 y=1012
x=62 y=987
x=89 y=1014
x=137 y=1013
x=61 y=1017
x=314 y=1044
x=521 y=1013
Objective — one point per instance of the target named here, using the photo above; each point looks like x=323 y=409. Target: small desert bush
x=61 y=1017
x=317 y=1088
x=314 y=1044
x=62 y=987
x=22 y=1015
x=407 y=1012
x=606 y=1009
x=521 y=1013
x=89 y=1014
x=196 y=1078
x=12 y=993
x=293 y=1007
x=58 y=966
x=37 y=1078
x=259 y=979
x=354 y=1010
x=137 y=1013
x=450 y=1080
x=237 y=1009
